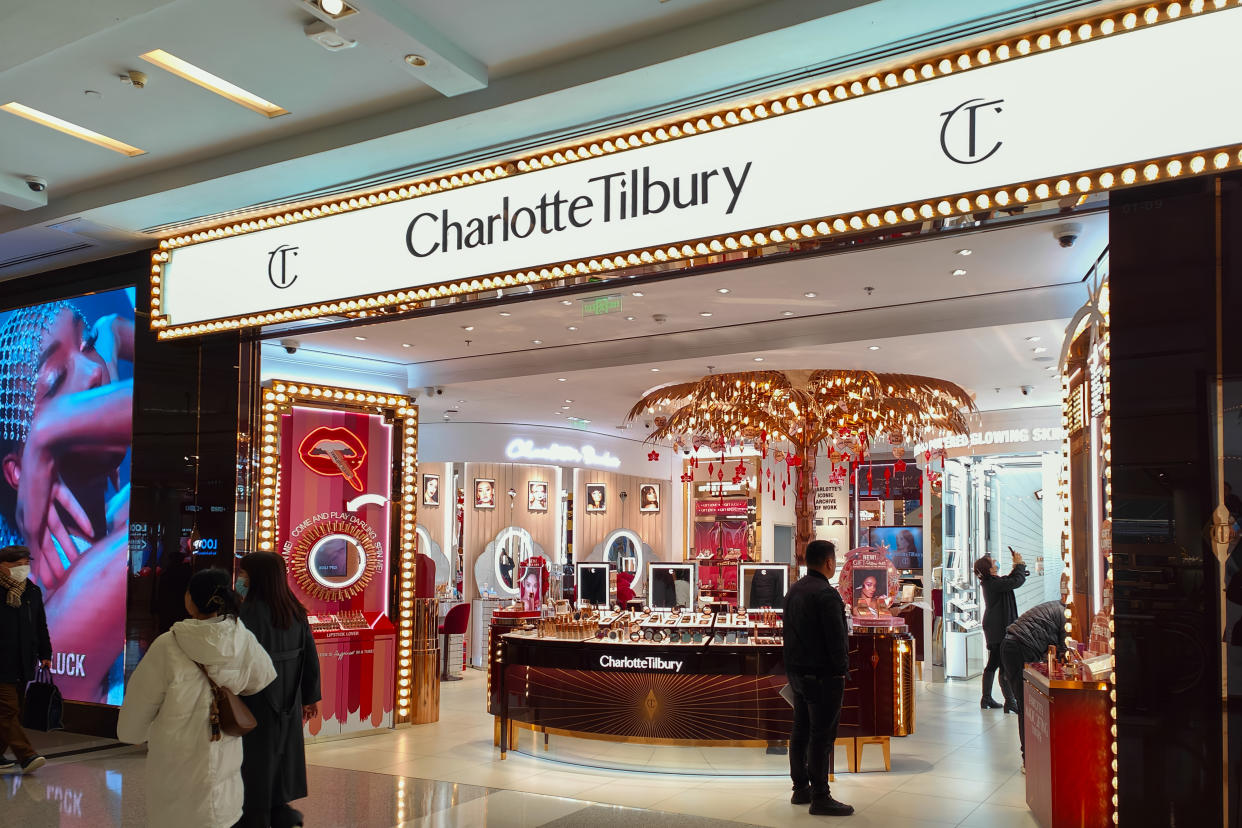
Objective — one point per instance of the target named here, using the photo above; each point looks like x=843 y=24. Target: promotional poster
x=66 y=432
x=334 y=535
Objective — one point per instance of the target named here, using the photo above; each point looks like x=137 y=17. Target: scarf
x=13 y=587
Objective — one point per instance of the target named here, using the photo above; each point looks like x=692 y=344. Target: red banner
x=724 y=506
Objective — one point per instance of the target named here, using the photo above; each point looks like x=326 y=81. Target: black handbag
x=44 y=706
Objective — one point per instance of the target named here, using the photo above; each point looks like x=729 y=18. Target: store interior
x=530 y=471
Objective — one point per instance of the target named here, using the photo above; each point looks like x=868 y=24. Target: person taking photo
x=1000 y=610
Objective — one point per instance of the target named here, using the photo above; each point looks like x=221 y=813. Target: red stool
x=455 y=623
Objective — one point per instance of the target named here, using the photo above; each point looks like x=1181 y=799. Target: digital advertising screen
x=903 y=545
x=66 y=434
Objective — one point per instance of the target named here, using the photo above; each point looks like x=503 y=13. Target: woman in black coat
x=1001 y=611
x=274 y=757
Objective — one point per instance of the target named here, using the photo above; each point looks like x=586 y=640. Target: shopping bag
x=44 y=707
x=787 y=694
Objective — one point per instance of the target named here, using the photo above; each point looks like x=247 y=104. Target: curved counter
x=693 y=694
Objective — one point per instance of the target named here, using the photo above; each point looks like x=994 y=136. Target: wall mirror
x=498 y=567
x=672 y=585
x=762 y=586
x=336 y=562
x=432 y=550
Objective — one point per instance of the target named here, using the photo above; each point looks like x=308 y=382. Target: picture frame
x=649 y=498
x=484 y=493
x=596 y=498
x=536 y=495
x=431 y=490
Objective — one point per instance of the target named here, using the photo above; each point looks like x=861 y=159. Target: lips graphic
x=334 y=452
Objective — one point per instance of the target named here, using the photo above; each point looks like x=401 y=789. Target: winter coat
x=817 y=640
x=192 y=782
x=1039 y=628
x=1000 y=605
x=23 y=636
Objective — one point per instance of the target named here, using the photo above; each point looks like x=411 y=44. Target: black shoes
x=33 y=764
x=1009 y=707
x=827 y=806
x=988 y=703
x=801 y=796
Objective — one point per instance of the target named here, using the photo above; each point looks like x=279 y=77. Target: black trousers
x=989 y=673
x=1013 y=660
x=817 y=713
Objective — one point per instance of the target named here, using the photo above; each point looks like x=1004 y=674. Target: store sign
x=832 y=499
x=720 y=507
x=522 y=449
x=643 y=663
x=997 y=124
x=1020 y=430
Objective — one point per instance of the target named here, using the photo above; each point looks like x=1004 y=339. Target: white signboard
x=1148 y=93
x=523 y=449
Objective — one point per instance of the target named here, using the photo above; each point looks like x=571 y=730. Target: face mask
x=242 y=587
x=19 y=573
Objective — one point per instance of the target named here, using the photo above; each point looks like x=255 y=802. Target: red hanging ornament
x=720 y=475
x=711 y=468
x=688 y=477
x=900 y=465
x=653 y=456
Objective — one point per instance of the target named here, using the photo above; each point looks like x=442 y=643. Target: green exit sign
x=601 y=305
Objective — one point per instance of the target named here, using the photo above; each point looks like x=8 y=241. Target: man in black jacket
x=23 y=643
x=1027 y=640
x=817 y=663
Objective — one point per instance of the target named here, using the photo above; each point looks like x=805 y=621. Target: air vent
x=46 y=254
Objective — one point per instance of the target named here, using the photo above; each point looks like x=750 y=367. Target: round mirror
x=336 y=561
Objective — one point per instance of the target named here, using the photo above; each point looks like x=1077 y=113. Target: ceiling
x=500 y=75
x=981 y=329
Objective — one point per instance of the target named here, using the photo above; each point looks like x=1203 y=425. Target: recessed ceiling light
x=705 y=313
x=629 y=319
x=505 y=313
x=566 y=301
x=536 y=342
x=561 y=379
x=212 y=83
x=1038 y=350
x=758 y=359
x=416 y=60
x=786 y=313
x=873 y=347
x=361 y=338
x=460 y=402
x=568 y=401
x=564 y=408
x=405 y=344
x=81 y=133
x=655 y=370
x=1032 y=339
x=965 y=251
x=810 y=294
x=959 y=272
x=467 y=327
x=572 y=328
x=334 y=8
x=638 y=293
x=722 y=290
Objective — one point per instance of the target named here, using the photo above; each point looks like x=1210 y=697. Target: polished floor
x=961 y=768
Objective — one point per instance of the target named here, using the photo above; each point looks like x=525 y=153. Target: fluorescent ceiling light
x=190 y=72
x=52 y=122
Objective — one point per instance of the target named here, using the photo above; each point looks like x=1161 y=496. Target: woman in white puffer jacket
x=193 y=782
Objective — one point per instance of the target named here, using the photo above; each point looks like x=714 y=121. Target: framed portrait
x=596 y=498
x=536 y=496
x=648 y=498
x=431 y=490
x=484 y=493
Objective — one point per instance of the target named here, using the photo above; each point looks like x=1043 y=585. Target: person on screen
x=531 y=588
x=906 y=555
x=867 y=601
x=650 y=500
x=66 y=423
x=24 y=643
x=765 y=590
x=595 y=496
x=431 y=491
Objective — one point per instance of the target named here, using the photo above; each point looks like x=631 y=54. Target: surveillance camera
x=290 y=345
x=659 y=318
x=36 y=184
x=439 y=392
x=1027 y=389
x=1068 y=233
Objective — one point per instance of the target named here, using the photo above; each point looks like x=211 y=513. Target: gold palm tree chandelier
x=809 y=411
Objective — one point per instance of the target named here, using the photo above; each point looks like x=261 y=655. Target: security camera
x=659 y=318
x=290 y=345
x=439 y=391
x=1027 y=389
x=36 y=184
x=1068 y=233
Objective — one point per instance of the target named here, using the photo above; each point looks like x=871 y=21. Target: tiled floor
x=960 y=768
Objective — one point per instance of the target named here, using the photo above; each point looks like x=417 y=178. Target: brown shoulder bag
x=229 y=714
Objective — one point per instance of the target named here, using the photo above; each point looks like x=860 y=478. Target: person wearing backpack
x=24 y=643
x=193 y=764
x=274 y=763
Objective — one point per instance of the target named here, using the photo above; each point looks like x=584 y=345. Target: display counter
x=715 y=682
x=1068 y=759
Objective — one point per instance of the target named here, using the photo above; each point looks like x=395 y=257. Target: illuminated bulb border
x=776 y=105
x=279 y=398
x=844 y=224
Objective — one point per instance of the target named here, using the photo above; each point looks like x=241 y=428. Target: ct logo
x=278 y=269
x=969 y=153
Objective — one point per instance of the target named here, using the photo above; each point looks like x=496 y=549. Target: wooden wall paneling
x=591 y=528
x=482 y=525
